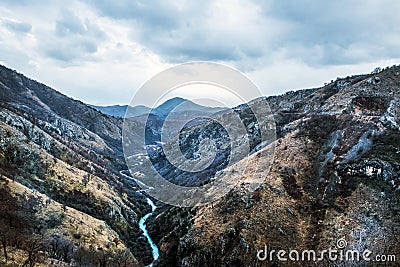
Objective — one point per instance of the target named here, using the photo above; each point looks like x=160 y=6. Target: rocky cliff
x=335 y=174
x=63 y=198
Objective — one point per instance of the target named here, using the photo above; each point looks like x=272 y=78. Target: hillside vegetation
x=63 y=199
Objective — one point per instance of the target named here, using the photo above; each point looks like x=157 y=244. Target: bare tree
x=124 y=258
x=103 y=258
x=33 y=246
x=7 y=205
x=60 y=249
x=4 y=229
x=86 y=180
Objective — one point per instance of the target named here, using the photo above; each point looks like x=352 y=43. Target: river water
x=142 y=224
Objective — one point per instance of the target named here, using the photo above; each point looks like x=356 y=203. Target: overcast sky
x=102 y=51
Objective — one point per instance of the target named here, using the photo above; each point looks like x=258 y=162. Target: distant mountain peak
x=185 y=106
x=161 y=110
x=175 y=100
x=122 y=111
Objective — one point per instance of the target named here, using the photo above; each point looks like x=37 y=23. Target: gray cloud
x=155 y=14
x=282 y=44
x=74 y=39
x=69 y=23
x=15 y=26
x=318 y=32
x=71 y=51
x=177 y=33
x=314 y=32
x=338 y=32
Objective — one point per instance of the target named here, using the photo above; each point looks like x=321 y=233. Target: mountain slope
x=335 y=175
x=70 y=155
x=46 y=104
x=120 y=111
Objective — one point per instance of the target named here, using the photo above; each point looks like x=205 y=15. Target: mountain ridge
x=70 y=154
x=336 y=168
x=162 y=110
x=120 y=110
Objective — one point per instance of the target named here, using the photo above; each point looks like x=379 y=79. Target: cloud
x=205 y=30
x=338 y=32
x=74 y=39
x=155 y=14
x=101 y=51
x=70 y=51
x=315 y=32
x=69 y=23
x=19 y=27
